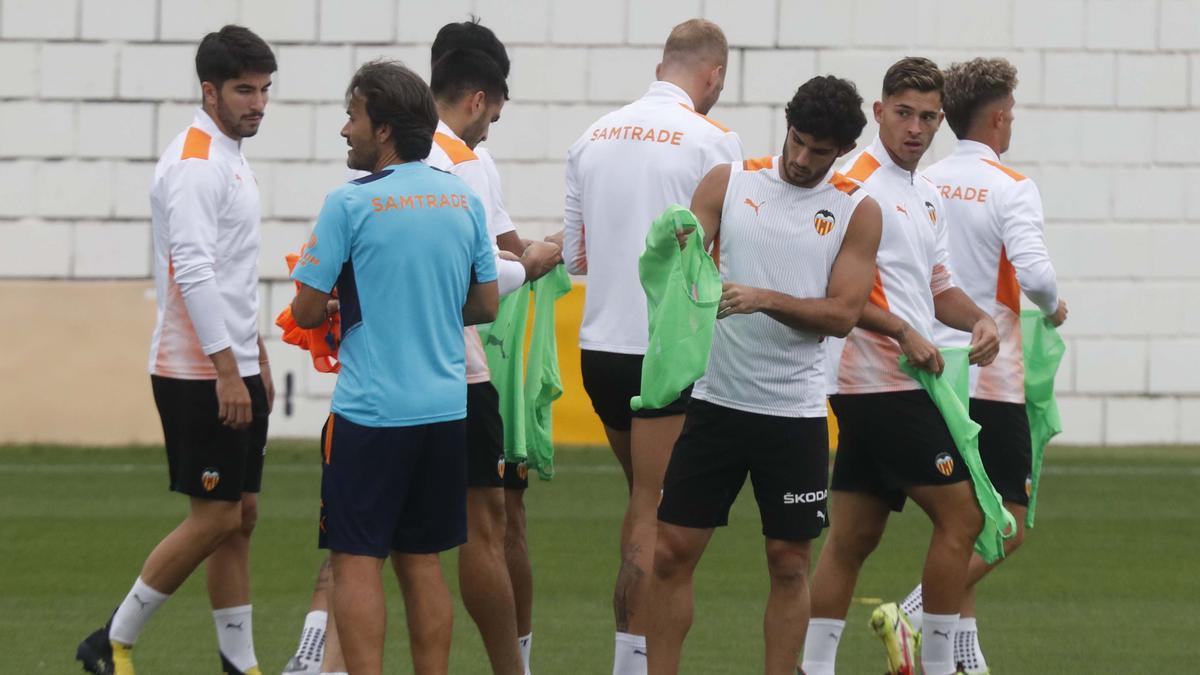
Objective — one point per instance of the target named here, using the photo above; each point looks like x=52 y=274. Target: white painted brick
x=1179 y=24
x=308 y=413
x=1093 y=251
x=420 y=20
x=1173 y=250
x=300 y=189
x=414 y=57
x=865 y=68
x=884 y=23
x=278 y=294
x=620 y=75
x=172 y=119
x=1121 y=24
x=1076 y=193
x=1175 y=138
x=35 y=250
x=1105 y=309
x=1064 y=379
x=803 y=23
x=585 y=22
x=1082 y=420
x=1187 y=305
x=191 y=21
x=286 y=133
x=1078 y=78
x=1048 y=23
x=517 y=21
x=134 y=21
x=313 y=73
x=543 y=74
x=112 y=250
x=533 y=190
x=650 y=23
x=358 y=20
x=131 y=189
x=116 y=130
x=749 y=23
x=1149 y=194
x=973 y=24
x=23 y=126
x=74 y=189
x=264 y=174
x=1174 y=368
x=1195 y=80
x=1151 y=80
x=328 y=143
x=16 y=188
x=20 y=61
x=1169 y=302
x=159 y=72
x=78 y=70
x=772 y=76
x=1193 y=196
x=278 y=240
x=732 y=91
x=565 y=124
x=38 y=19
x=1110 y=366
x=755 y=125
x=1136 y=421
x=1045 y=136
x=1108 y=136
x=1189 y=421
x=520 y=133
x=281 y=20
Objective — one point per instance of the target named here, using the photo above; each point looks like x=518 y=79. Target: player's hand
x=1059 y=315
x=509 y=255
x=332 y=308
x=539 y=258
x=268 y=385
x=921 y=352
x=738 y=299
x=682 y=234
x=985 y=342
x=556 y=238
x=233 y=401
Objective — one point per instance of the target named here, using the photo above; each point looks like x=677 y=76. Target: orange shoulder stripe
x=196 y=144
x=456 y=150
x=1011 y=174
x=706 y=118
x=863 y=167
x=844 y=184
x=758 y=163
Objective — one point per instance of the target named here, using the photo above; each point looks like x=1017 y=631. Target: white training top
x=204 y=206
x=476 y=169
x=785 y=238
x=997 y=249
x=912 y=266
x=622 y=173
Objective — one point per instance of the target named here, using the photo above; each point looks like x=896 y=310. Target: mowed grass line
x=1105 y=584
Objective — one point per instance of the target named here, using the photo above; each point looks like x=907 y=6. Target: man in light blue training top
x=408 y=251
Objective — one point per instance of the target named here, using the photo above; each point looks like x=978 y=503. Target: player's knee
x=855 y=545
x=249 y=516
x=672 y=555
x=787 y=562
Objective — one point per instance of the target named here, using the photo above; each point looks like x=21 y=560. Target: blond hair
x=974 y=85
x=696 y=42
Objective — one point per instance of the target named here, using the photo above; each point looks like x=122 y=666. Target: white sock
x=821 y=645
x=966 y=646
x=526 y=642
x=912 y=607
x=235 y=636
x=134 y=611
x=311 y=649
x=630 y=655
x=937 y=644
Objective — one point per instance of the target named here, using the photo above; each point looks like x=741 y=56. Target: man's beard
x=236 y=126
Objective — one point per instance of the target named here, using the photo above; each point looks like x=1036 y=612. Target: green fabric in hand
x=504 y=345
x=1043 y=350
x=543 y=381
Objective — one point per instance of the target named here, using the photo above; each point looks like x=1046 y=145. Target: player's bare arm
x=264 y=364
x=920 y=352
x=537 y=257
x=849 y=284
x=483 y=300
x=955 y=309
x=511 y=241
x=310 y=307
x=709 y=199
x=233 y=398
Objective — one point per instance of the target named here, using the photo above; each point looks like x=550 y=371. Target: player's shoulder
x=997 y=169
x=860 y=167
x=454 y=151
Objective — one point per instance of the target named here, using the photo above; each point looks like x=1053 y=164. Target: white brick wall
x=1107 y=119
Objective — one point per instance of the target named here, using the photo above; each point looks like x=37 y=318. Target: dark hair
x=399 y=98
x=470 y=35
x=827 y=107
x=230 y=53
x=913 y=72
x=972 y=86
x=465 y=71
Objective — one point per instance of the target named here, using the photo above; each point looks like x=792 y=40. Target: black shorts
x=400 y=489
x=611 y=380
x=516 y=475
x=205 y=458
x=485 y=437
x=891 y=441
x=1005 y=447
x=787 y=459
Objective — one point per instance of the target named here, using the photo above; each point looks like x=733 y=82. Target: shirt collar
x=881 y=155
x=976 y=149
x=206 y=124
x=443 y=128
x=661 y=89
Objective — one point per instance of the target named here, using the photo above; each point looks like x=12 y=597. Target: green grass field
x=1107 y=583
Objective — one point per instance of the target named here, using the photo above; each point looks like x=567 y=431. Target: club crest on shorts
x=523 y=471
x=944 y=463
x=824 y=222
x=500 y=467
x=1028 y=486
x=932 y=212
x=209 y=479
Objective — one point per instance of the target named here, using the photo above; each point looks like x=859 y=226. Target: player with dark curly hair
x=797 y=244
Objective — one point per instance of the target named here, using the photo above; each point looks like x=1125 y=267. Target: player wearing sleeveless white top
x=797 y=251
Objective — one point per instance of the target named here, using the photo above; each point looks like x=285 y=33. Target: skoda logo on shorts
x=932 y=212
x=1028 y=486
x=944 y=463
x=523 y=471
x=209 y=479
x=824 y=222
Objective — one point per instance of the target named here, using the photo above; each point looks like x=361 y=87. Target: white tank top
x=777 y=236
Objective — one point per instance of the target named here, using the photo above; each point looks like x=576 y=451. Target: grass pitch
x=1106 y=583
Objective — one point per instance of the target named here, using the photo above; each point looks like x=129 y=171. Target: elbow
x=842 y=326
x=306 y=319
